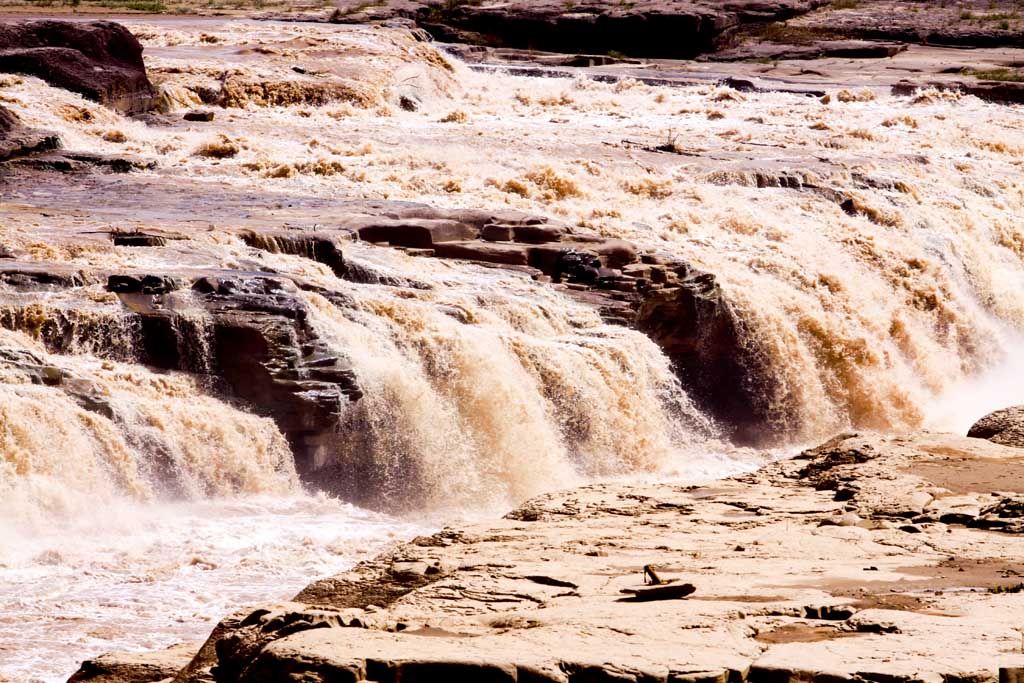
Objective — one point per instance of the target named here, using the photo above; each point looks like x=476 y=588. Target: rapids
x=134 y=525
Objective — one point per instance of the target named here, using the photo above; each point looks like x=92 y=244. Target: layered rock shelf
x=866 y=559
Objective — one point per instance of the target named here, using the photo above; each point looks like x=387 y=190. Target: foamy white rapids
x=139 y=525
x=134 y=577
x=865 y=319
x=486 y=388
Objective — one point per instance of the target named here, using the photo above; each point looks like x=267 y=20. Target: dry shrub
x=208 y=38
x=553 y=186
x=221 y=148
x=653 y=188
x=9 y=81
x=115 y=136
x=457 y=116
x=715 y=115
x=859 y=96
x=452 y=186
x=820 y=125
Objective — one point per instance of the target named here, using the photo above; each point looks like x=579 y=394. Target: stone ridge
x=856 y=561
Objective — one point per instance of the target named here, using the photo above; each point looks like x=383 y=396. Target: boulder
x=100 y=60
x=1004 y=427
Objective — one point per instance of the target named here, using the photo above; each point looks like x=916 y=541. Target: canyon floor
x=865 y=559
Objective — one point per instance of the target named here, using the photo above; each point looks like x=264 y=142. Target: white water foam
x=137 y=577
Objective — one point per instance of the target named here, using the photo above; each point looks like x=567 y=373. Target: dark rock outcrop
x=675 y=29
x=253 y=335
x=1004 y=427
x=100 y=60
x=695 y=326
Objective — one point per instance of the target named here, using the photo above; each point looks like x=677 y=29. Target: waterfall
x=487 y=388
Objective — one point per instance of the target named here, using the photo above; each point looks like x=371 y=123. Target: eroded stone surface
x=794 y=580
x=1003 y=426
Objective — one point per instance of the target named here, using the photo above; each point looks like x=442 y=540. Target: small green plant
x=1008 y=75
x=1018 y=588
x=135 y=5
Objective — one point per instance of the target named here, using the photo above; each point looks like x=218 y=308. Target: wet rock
x=320 y=248
x=18 y=141
x=1004 y=427
x=143 y=284
x=100 y=60
x=202 y=116
x=823 y=49
x=41 y=275
x=487 y=252
x=418 y=233
x=255 y=337
x=30 y=366
x=695 y=326
x=137 y=239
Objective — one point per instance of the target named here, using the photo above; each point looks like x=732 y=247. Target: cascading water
x=877 y=290
x=487 y=388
